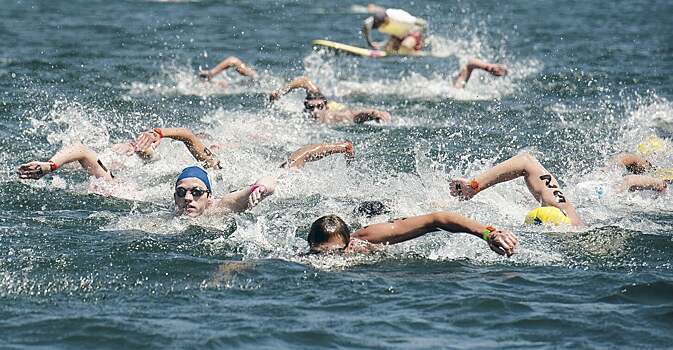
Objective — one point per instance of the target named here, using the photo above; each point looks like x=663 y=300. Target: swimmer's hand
x=461 y=188
x=261 y=189
x=256 y=195
x=496 y=69
x=33 y=170
x=146 y=143
x=503 y=242
x=274 y=96
x=205 y=75
x=349 y=152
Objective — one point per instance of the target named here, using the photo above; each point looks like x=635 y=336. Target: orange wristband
x=159 y=132
x=52 y=165
x=474 y=185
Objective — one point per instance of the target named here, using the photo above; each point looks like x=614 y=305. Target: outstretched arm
x=318 y=151
x=248 y=197
x=541 y=183
x=633 y=163
x=370 y=114
x=227 y=63
x=400 y=230
x=351 y=116
x=367 y=28
x=460 y=81
x=87 y=158
x=149 y=139
x=642 y=182
x=296 y=83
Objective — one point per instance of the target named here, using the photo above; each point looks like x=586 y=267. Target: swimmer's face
x=191 y=197
x=315 y=104
x=337 y=246
x=328 y=234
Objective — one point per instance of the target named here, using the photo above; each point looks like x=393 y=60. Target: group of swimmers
x=193 y=194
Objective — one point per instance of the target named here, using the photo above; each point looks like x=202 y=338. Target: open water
x=78 y=270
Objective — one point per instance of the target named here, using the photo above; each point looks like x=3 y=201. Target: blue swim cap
x=195 y=172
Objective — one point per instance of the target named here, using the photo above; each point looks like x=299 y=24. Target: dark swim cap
x=379 y=19
x=315 y=96
x=195 y=172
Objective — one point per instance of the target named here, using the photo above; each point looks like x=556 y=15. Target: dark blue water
x=79 y=270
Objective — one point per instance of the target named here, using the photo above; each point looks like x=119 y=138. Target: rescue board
x=360 y=51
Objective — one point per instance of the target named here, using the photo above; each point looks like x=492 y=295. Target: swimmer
x=193 y=191
x=325 y=111
x=330 y=233
x=541 y=184
x=643 y=175
x=460 y=81
x=227 y=63
x=405 y=31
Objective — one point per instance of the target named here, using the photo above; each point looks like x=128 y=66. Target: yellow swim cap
x=652 y=144
x=335 y=106
x=664 y=173
x=547 y=216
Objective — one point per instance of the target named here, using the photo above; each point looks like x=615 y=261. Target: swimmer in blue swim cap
x=541 y=184
x=326 y=111
x=193 y=193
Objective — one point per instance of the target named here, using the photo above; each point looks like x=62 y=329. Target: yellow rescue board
x=359 y=51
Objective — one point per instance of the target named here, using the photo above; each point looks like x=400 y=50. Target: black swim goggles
x=310 y=107
x=195 y=191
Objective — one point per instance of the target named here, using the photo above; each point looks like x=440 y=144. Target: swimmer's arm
x=194 y=144
x=370 y=114
x=633 y=163
x=296 y=83
x=641 y=182
x=464 y=75
x=571 y=212
x=77 y=152
x=227 y=63
x=248 y=197
x=366 y=32
x=317 y=151
x=400 y=230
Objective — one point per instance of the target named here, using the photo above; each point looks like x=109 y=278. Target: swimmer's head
x=192 y=192
x=547 y=216
x=380 y=18
x=371 y=208
x=315 y=101
x=651 y=145
x=328 y=233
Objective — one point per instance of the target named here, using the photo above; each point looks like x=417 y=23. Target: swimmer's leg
x=464 y=75
x=318 y=151
x=633 y=163
x=87 y=158
x=227 y=63
x=642 y=182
